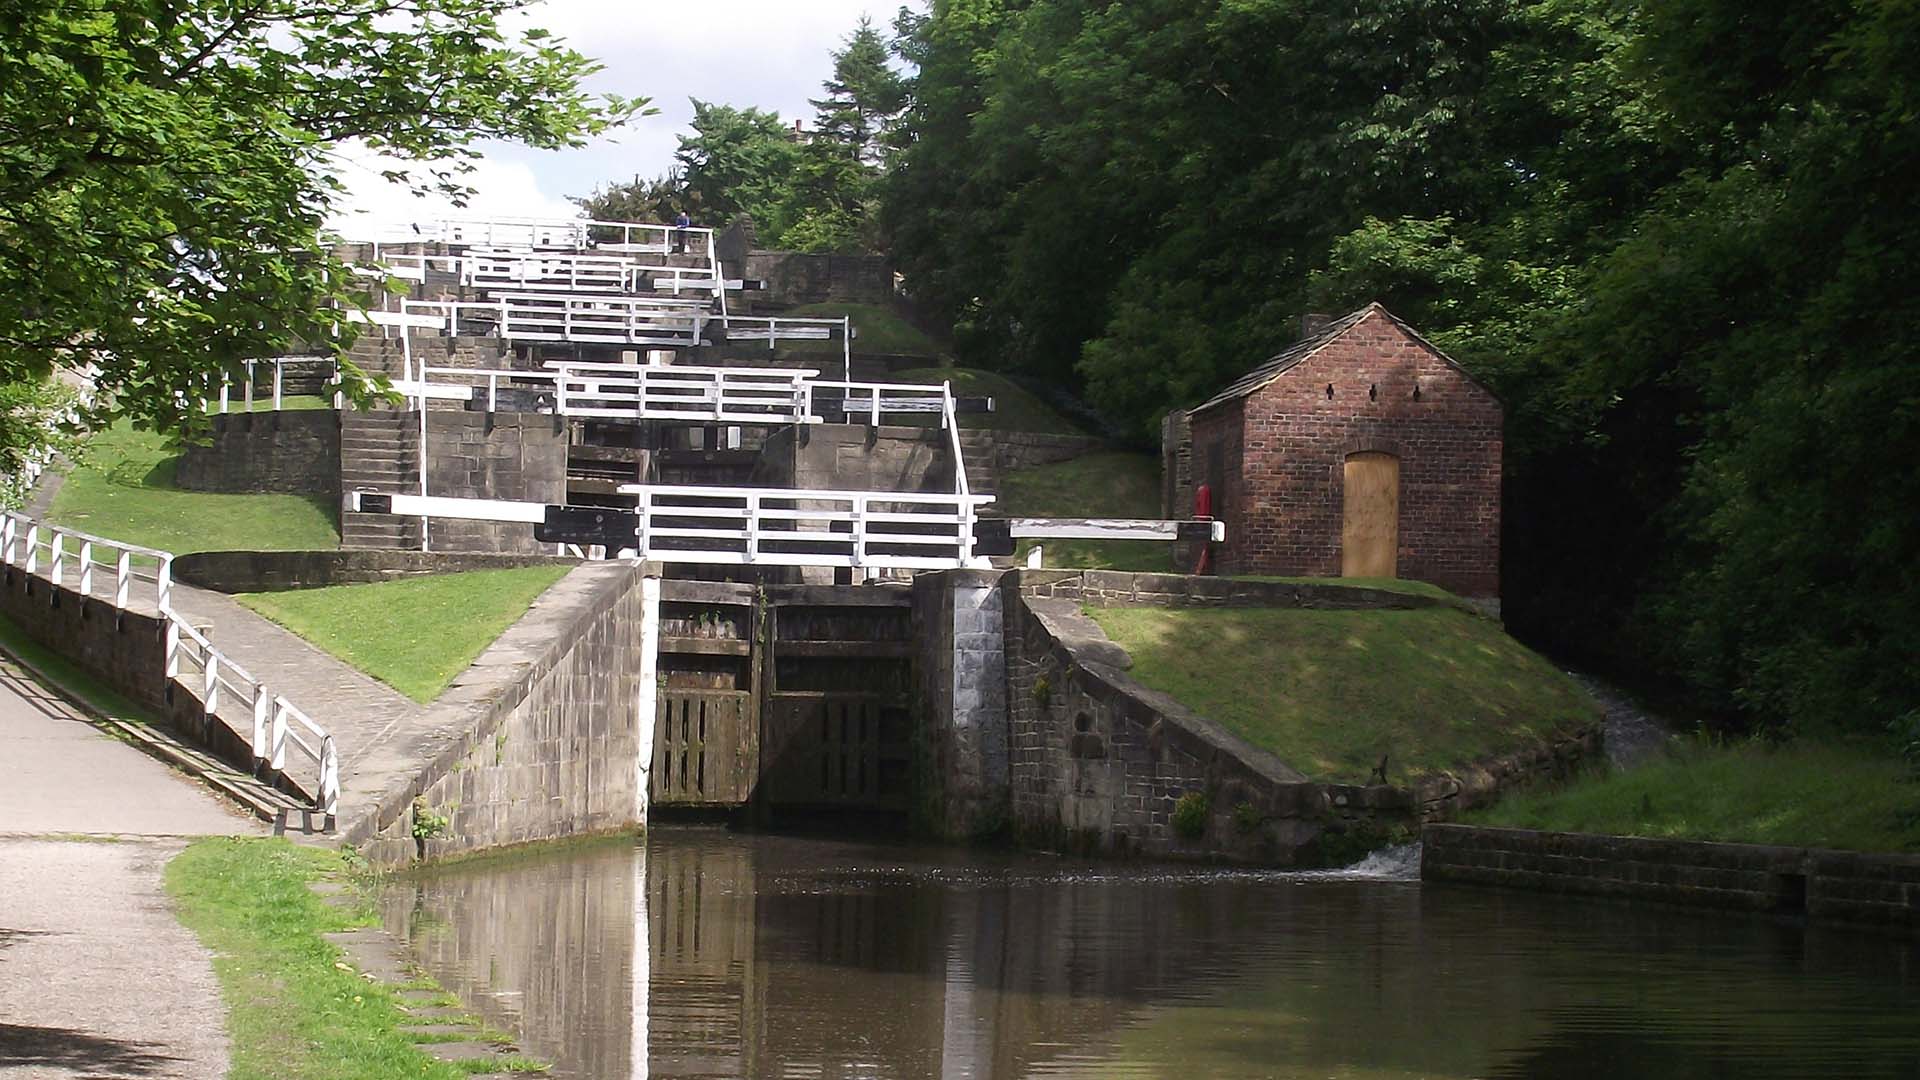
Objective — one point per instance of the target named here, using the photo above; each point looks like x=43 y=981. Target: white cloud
x=772 y=54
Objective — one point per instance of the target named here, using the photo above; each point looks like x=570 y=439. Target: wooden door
x=1370 y=530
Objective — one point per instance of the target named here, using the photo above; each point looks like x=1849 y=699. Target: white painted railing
x=799 y=527
x=774 y=329
x=608 y=320
x=95 y=566
x=277 y=724
x=574 y=234
x=683 y=392
x=250 y=385
x=90 y=565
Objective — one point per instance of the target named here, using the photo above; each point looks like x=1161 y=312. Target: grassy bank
x=1329 y=692
x=1014 y=407
x=1113 y=485
x=1855 y=796
x=125 y=491
x=877 y=329
x=293 y=1013
x=415 y=635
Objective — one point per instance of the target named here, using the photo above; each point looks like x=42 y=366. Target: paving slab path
x=97 y=976
x=370 y=722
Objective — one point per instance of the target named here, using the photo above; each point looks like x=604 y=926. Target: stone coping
x=1112 y=588
x=277 y=571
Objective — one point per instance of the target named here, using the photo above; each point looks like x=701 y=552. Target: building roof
x=1280 y=364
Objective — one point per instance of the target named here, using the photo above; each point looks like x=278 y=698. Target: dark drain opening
x=1790 y=893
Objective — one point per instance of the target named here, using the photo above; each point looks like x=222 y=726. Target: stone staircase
x=379 y=452
x=983 y=470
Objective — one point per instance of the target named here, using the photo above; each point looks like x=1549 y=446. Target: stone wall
x=1098 y=763
x=1176 y=464
x=960 y=749
x=1119 y=588
x=539 y=740
x=1821 y=884
x=276 y=571
x=126 y=651
x=1275 y=460
x=853 y=457
x=794 y=278
x=294 y=451
x=519 y=457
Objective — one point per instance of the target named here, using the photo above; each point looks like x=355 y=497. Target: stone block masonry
x=1841 y=886
x=296 y=451
x=541 y=739
x=961 y=747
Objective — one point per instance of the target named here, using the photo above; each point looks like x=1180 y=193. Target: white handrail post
x=210 y=681
x=9 y=539
x=339 y=387
x=262 y=705
x=277 y=759
x=493 y=391
x=57 y=567
x=173 y=647
x=86 y=568
x=225 y=379
x=860 y=531
x=122 y=578
x=846 y=348
x=279 y=370
x=329 y=776
x=249 y=386
x=163 y=583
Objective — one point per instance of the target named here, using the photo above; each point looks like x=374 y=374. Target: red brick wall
x=1284 y=449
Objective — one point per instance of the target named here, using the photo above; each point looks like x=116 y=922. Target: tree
x=740 y=161
x=864 y=98
x=657 y=198
x=163 y=168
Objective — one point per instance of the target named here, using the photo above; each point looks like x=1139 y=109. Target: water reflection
x=783 y=957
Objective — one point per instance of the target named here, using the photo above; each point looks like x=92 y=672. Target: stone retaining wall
x=127 y=652
x=1119 y=588
x=295 y=451
x=276 y=571
x=541 y=739
x=1822 y=884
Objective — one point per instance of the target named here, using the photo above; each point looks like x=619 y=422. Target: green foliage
x=1837 y=794
x=415 y=634
x=164 y=169
x=37 y=422
x=1329 y=692
x=124 y=490
x=1190 y=813
x=292 y=1014
x=1246 y=816
x=1676 y=238
x=877 y=329
x=1015 y=408
x=426 y=823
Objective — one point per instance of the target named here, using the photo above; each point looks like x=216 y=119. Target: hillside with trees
x=1676 y=238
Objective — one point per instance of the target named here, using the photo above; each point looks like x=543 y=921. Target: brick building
x=1360 y=451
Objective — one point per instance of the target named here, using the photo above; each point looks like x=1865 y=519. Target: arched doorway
x=1370 y=522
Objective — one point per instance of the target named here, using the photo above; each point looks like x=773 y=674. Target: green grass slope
x=125 y=491
x=415 y=635
x=1014 y=408
x=1854 y=796
x=877 y=329
x=1329 y=692
x=1113 y=485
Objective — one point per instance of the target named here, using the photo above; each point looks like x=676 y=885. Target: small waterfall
x=1401 y=862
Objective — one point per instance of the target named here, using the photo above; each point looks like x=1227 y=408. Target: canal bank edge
x=1821 y=884
x=1100 y=764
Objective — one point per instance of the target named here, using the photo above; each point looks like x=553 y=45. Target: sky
x=771 y=54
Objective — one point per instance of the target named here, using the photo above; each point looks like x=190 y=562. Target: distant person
x=680 y=225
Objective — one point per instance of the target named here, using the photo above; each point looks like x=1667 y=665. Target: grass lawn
x=263 y=401
x=124 y=491
x=1399 y=585
x=1856 y=796
x=415 y=635
x=1328 y=692
x=876 y=328
x=1113 y=485
x=292 y=1014
x=1014 y=408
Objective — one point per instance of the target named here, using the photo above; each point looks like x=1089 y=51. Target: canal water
x=703 y=953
